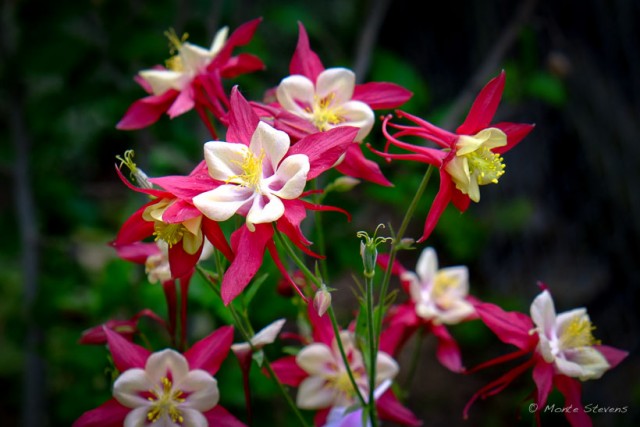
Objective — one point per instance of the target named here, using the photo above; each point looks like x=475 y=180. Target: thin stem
x=244 y=326
x=373 y=350
x=334 y=323
x=415 y=357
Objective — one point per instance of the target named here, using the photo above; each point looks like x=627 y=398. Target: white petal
x=457 y=281
x=356 y=114
x=457 y=312
x=458 y=168
x=194 y=58
x=427 y=266
x=223 y=202
x=564 y=319
x=136 y=418
x=293 y=173
x=336 y=82
x=544 y=348
x=294 y=90
x=192 y=418
x=568 y=368
x=313 y=393
x=159 y=364
x=268 y=334
x=224 y=159
x=592 y=362
x=218 y=41
x=416 y=291
x=273 y=143
x=202 y=389
x=129 y=385
x=315 y=359
x=386 y=368
x=543 y=313
x=261 y=213
x=163 y=80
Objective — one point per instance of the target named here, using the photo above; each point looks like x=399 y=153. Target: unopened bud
x=343 y=183
x=406 y=243
x=369 y=250
x=322 y=301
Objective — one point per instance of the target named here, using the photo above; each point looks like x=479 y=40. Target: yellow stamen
x=175 y=43
x=323 y=114
x=252 y=170
x=170 y=233
x=578 y=334
x=485 y=165
x=166 y=402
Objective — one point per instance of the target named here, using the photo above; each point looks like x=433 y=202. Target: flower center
x=165 y=403
x=578 y=334
x=170 y=233
x=251 y=171
x=485 y=165
x=175 y=43
x=323 y=114
x=342 y=382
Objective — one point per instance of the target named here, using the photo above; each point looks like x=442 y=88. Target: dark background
x=566 y=212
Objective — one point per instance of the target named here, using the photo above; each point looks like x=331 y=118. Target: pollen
x=579 y=333
x=175 y=43
x=170 y=233
x=251 y=171
x=165 y=402
x=324 y=114
x=487 y=167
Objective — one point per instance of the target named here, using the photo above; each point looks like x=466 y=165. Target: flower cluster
x=250 y=193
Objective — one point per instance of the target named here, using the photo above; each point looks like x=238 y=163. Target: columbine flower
x=467 y=159
x=566 y=340
x=562 y=350
x=256 y=178
x=192 y=76
x=324 y=384
x=316 y=99
x=259 y=175
x=165 y=388
x=438 y=297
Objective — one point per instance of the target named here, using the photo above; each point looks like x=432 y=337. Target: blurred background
x=567 y=211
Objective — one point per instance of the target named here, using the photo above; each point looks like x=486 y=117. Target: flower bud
x=322 y=301
x=344 y=183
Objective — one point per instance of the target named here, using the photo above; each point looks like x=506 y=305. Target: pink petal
x=209 y=353
x=182 y=263
x=356 y=165
x=484 y=107
x=240 y=37
x=220 y=417
x=515 y=133
x=325 y=148
x=186 y=187
x=571 y=389
x=216 y=237
x=396 y=335
x=460 y=200
x=149 y=191
x=171 y=296
x=146 y=111
x=613 y=355
x=543 y=377
x=304 y=60
x=180 y=211
x=288 y=371
x=249 y=250
x=126 y=355
x=448 y=352
x=320 y=418
x=439 y=204
x=321 y=326
x=381 y=95
x=109 y=414
x=383 y=262
x=137 y=252
x=183 y=103
x=243 y=121
x=390 y=409
x=511 y=327
x=135 y=228
x=241 y=64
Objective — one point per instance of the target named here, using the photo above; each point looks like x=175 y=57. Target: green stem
x=373 y=350
x=334 y=323
x=415 y=358
x=244 y=326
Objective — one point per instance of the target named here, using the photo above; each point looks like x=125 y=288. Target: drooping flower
x=314 y=99
x=126 y=328
x=192 y=77
x=323 y=382
x=165 y=388
x=438 y=297
x=257 y=174
x=562 y=348
x=467 y=159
